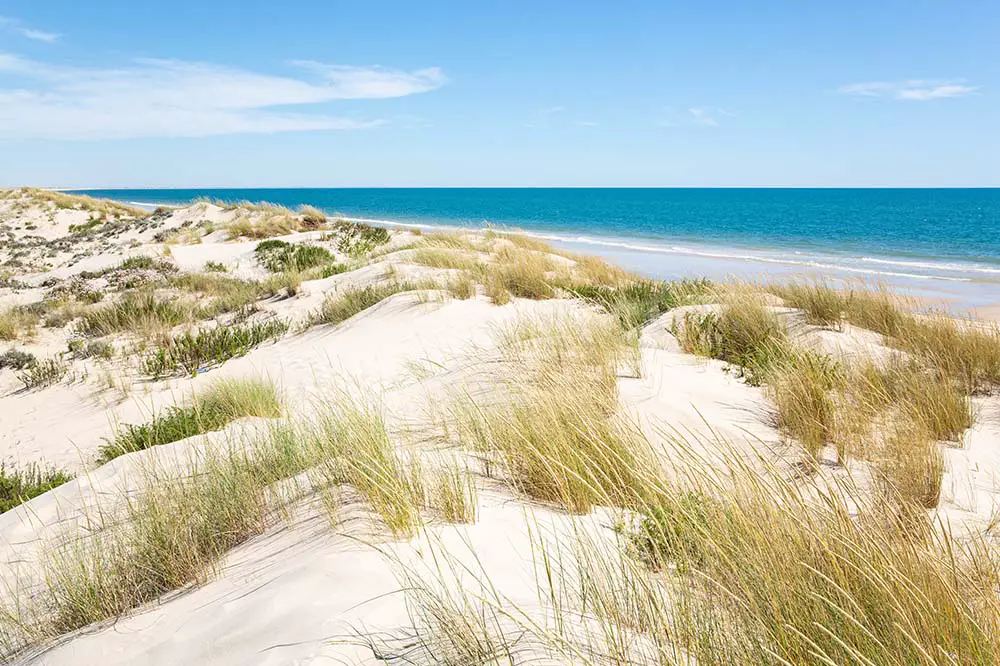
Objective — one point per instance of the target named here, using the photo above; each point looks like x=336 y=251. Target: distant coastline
x=941 y=243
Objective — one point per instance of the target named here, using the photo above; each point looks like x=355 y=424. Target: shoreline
x=966 y=285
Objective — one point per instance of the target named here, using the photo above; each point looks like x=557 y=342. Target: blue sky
x=295 y=93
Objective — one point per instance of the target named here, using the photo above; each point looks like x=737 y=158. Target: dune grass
x=42 y=373
x=140 y=312
x=191 y=352
x=802 y=387
x=444 y=258
x=744 y=332
x=223 y=293
x=358 y=451
x=260 y=221
x=221 y=403
x=521 y=274
x=817 y=586
x=312 y=217
x=342 y=305
x=966 y=350
x=17 y=323
x=104 y=207
x=357 y=239
x=17 y=486
x=637 y=302
x=556 y=436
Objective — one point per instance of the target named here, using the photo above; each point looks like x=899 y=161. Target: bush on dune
x=20 y=485
x=278 y=256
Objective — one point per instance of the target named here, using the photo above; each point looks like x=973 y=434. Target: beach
x=287 y=436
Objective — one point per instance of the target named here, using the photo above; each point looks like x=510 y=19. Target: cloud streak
x=912 y=90
x=174 y=98
x=26 y=32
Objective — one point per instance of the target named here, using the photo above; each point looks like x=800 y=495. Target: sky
x=251 y=93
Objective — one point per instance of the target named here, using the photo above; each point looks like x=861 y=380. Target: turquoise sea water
x=939 y=242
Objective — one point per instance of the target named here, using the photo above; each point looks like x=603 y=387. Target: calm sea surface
x=943 y=242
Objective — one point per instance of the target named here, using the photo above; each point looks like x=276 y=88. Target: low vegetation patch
x=18 y=322
x=17 y=486
x=638 y=302
x=192 y=352
x=356 y=239
x=223 y=402
x=43 y=373
x=341 y=306
x=135 y=311
x=278 y=256
x=744 y=332
x=17 y=359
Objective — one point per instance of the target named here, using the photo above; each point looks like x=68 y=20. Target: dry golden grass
x=748 y=567
x=101 y=207
x=356 y=450
x=558 y=436
x=445 y=258
x=17 y=323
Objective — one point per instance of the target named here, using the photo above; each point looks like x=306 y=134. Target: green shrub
x=358 y=239
x=17 y=359
x=19 y=486
x=215 y=267
x=278 y=256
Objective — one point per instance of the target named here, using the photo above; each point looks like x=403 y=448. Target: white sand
x=299 y=593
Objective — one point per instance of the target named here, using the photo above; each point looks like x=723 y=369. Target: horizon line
x=518 y=187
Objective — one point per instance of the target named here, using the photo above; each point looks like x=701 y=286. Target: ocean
x=940 y=243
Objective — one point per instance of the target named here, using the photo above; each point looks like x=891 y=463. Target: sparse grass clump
x=744 y=333
x=171 y=536
x=341 y=306
x=278 y=256
x=312 y=218
x=357 y=451
x=103 y=207
x=444 y=258
x=136 y=311
x=760 y=573
x=18 y=322
x=221 y=403
x=557 y=436
x=802 y=388
x=191 y=352
x=215 y=267
x=521 y=274
x=43 y=373
x=17 y=486
x=823 y=305
x=636 y=303
x=226 y=293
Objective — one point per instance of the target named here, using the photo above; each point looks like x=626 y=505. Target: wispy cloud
x=20 y=28
x=709 y=117
x=587 y=123
x=552 y=109
x=914 y=90
x=173 y=98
